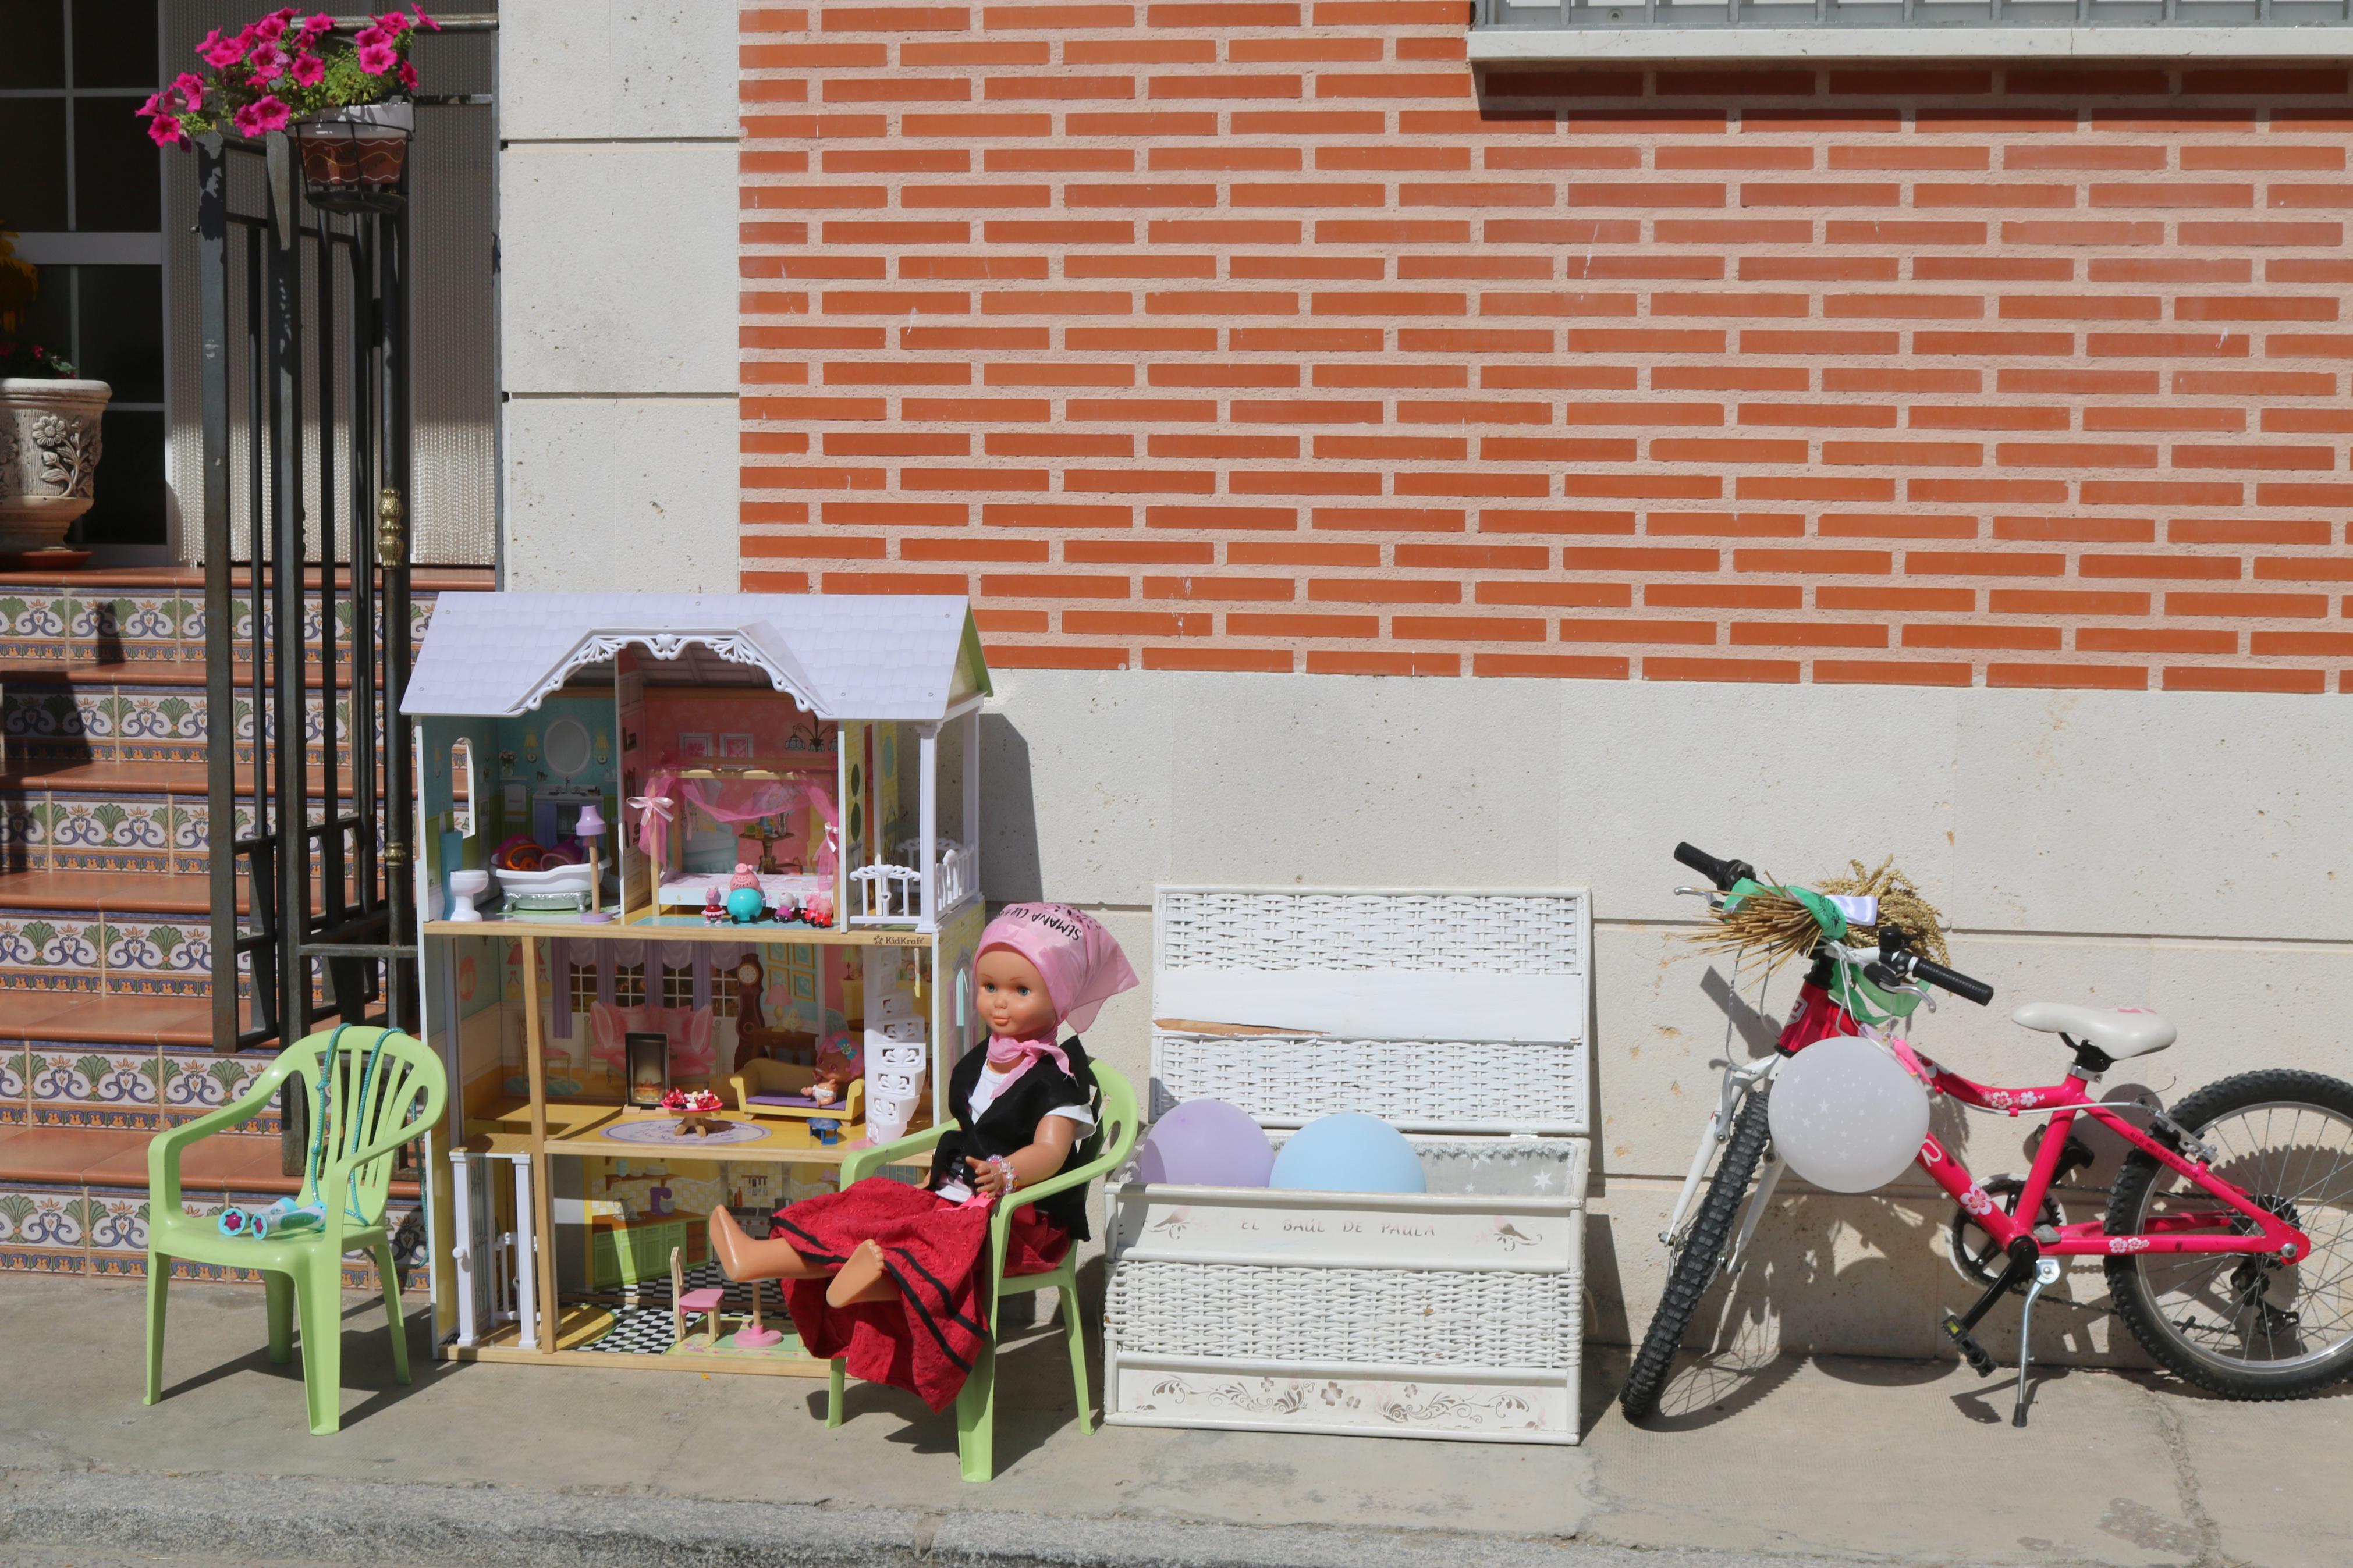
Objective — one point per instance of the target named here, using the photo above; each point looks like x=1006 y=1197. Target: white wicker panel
x=1289 y=1079
x=1466 y=1404
x=1463 y=933
x=1426 y=1318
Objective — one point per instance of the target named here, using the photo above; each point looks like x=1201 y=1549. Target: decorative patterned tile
x=111 y=832
x=163 y=959
x=24 y=832
x=197 y=1083
x=15 y=1069
x=31 y=626
x=41 y=1228
x=190 y=842
x=82 y=1086
x=75 y=725
x=114 y=1228
x=50 y=952
x=164 y=724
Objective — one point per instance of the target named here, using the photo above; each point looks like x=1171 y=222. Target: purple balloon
x=1207 y=1144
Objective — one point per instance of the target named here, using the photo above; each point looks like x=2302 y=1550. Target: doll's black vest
x=1010 y=1124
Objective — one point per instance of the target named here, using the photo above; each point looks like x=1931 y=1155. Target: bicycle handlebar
x=1723 y=873
x=1893 y=968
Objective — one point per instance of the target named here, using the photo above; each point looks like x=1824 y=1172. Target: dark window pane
x=33 y=171
x=129 y=502
x=122 y=329
x=32 y=43
x=50 y=321
x=114 y=44
x=118 y=174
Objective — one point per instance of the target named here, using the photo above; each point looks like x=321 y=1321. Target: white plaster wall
x=617 y=204
x=2177 y=851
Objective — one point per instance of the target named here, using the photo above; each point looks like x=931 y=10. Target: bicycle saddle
x=2120 y=1032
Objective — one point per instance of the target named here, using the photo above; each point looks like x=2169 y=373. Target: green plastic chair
x=369 y=1115
x=1113 y=1138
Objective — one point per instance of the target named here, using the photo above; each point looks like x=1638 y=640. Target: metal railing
x=1614 y=15
x=334 y=894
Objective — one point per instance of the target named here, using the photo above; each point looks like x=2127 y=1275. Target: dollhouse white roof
x=840 y=656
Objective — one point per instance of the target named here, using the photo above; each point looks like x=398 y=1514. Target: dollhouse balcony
x=892 y=894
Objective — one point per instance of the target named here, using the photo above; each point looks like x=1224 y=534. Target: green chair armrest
x=866 y=1161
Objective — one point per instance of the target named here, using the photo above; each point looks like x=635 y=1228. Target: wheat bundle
x=1769 y=926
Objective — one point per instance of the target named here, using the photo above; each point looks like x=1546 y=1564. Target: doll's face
x=1013 y=999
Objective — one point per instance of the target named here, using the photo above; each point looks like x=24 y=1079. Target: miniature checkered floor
x=646 y=1328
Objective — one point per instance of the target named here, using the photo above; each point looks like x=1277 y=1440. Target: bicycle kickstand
x=2046 y=1273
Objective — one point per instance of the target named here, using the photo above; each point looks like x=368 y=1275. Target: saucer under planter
x=49 y=457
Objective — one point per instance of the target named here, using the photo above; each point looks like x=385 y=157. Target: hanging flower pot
x=355 y=159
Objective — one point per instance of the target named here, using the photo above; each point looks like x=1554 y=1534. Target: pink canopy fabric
x=728 y=800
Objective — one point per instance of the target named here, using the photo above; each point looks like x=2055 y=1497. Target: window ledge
x=1503 y=45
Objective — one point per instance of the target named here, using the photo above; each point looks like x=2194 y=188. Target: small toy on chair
x=838 y=1064
x=284 y=1218
x=698 y=1111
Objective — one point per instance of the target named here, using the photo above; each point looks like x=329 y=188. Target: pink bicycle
x=2228 y=1238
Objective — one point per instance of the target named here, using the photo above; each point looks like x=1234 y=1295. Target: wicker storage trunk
x=1455 y=1313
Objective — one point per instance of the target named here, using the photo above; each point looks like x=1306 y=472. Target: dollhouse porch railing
x=892 y=894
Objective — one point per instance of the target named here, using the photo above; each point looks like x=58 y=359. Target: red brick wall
x=1272 y=337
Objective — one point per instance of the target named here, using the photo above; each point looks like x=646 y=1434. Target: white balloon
x=1847 y=1115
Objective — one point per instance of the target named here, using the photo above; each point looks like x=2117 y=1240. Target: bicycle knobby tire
x=1694 y=1268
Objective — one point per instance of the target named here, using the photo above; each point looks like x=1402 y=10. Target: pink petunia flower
x=164 y=131
x=267 y=113
x=269 y=62
x=221 y=52
x=310 y=70
x=422 y=19
x=408 y=76
x=153 y=106
x=268 y=30
x=377 y=56
x=191 y=89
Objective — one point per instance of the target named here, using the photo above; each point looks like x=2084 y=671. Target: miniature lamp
x=589 y=829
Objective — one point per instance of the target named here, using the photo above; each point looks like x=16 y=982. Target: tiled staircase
x=105 y=960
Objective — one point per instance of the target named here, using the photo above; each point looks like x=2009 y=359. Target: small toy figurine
x=817 y=910
x=838 y=1067
x=746 y=902
x=713 y=913
x=697 y=1110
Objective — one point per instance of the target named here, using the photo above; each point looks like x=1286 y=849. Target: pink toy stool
x=756 y=1335
x=686 y=1303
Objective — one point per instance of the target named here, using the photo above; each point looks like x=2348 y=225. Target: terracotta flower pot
x=49 y=457
x=353 y=158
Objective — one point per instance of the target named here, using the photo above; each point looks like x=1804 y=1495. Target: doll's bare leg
x=863 y=1279
x=742 y=1257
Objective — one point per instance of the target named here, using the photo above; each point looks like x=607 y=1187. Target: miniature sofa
x=761 y=1083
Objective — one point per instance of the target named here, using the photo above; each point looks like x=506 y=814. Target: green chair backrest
x=1115 y=1119
x=381 y=1089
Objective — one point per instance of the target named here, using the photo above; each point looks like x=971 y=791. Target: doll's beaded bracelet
x=1006 y=1173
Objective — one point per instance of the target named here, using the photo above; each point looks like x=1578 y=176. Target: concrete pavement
x=1753 y=1460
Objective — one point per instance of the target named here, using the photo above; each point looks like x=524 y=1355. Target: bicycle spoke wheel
x=2255 y=1327
x=1694 y=1267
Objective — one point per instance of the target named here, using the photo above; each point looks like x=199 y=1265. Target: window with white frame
x=81 y=185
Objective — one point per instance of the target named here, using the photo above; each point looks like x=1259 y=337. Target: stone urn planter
x=49 y=457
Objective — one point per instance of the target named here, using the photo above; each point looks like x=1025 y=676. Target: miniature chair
x=685 y=1303
x=1111 y=1143
x=370 y=1090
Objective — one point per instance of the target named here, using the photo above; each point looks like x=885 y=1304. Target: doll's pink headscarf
x=1077 y=959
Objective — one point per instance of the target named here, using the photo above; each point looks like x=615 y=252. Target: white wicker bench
x=1456 y=1313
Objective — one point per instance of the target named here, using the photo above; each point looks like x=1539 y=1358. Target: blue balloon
x=1348 y=1152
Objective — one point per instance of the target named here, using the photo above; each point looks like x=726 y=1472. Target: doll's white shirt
x=984 y=1095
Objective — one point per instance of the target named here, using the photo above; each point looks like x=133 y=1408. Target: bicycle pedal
x=1971 y=1352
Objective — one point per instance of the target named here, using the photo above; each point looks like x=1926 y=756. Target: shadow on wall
x=1009 y=867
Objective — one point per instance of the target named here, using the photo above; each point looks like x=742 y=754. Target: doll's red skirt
x=927 y=1341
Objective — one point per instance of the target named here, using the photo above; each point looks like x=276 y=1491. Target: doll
x=839 y=1063
x=890 y=1275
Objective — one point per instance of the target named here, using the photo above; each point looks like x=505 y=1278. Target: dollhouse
x=680 y=847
